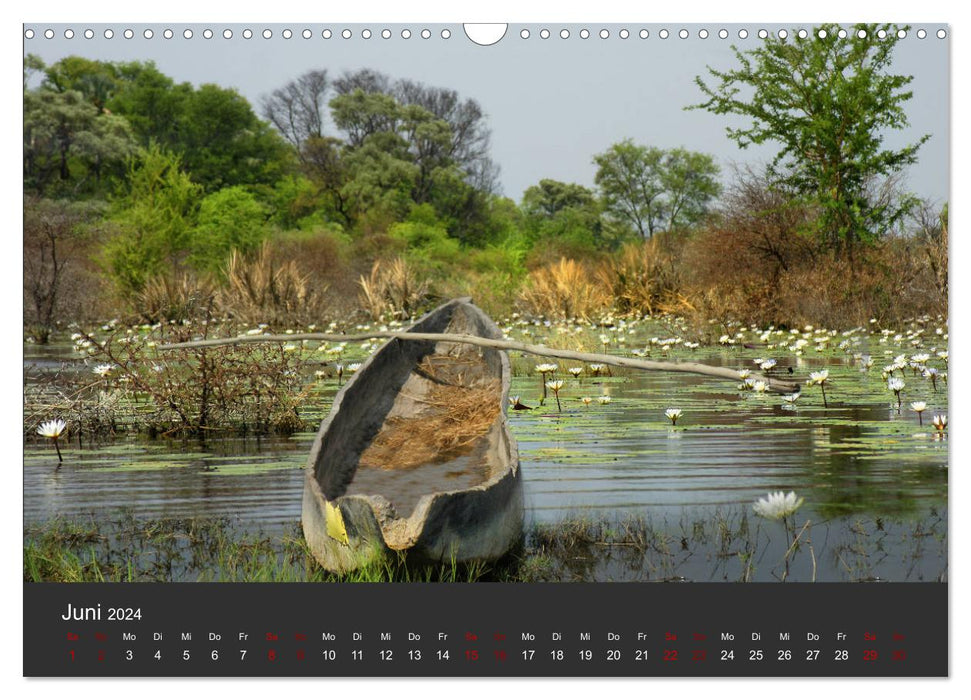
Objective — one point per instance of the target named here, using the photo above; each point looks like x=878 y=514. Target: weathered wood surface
x=348 y=523
x=778 y=385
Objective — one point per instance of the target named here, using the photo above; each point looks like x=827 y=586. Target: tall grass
x=263 y=290
x=645 y=278
x=393 y=290
x=174 y=297
x=564 y=289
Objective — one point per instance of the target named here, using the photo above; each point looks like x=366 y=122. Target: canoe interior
x=418 y=418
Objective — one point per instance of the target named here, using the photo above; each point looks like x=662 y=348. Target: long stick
x=777 y=385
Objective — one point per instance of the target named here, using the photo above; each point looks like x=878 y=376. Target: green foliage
x=230 y=219
x=69 y=143
x=551 y=196
x=96 y=80
x=223 y=143
x=156 y=217
x=652 y=189
x=151 y=102
x=427 y=245
x=294 y=201
x=828 y=103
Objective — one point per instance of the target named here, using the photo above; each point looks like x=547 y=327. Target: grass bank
x=731 y=547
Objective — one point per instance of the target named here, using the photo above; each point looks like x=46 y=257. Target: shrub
x=392 y=290
x=565 y=289
x=156 y=217
x=229 y=219
x=174 y=298
x=645 y=278
x=263 y=290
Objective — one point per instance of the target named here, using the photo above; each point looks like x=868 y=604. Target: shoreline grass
x=730 y=547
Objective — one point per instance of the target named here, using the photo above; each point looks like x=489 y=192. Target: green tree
x=828 y=102
x=229 y=219
x=213 y=129
x=551 y=196
x=223 y=143
x=156 y=218
x=652 y=189
x=151 y=102
x=67 y=141
x=96 y=80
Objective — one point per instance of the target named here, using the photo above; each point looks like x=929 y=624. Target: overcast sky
x=552 y=104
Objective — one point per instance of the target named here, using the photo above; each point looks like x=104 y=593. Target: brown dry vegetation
x=61 y=277
x=393 y=289
x=760 y=263
x=265 y=289
x=645 y=278
x=565 y=289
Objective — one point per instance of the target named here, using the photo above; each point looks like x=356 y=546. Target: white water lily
x=586 y=400
x=555 y=386
x=603 y=399
x=760 y=387
x=778 y=505
x=744 y=373
x=919 y=407
x=819 y=377
x=767 y=365
x=52 y=429
x=575 y=371
x=896 y=385
x=673 y=414
x=939 y=422
x=791 y=398
x=547 y=368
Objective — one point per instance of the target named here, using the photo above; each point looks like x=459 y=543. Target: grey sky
x=552 y=104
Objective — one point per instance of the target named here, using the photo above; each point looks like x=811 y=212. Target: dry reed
x=565 y=289
x=459 y=410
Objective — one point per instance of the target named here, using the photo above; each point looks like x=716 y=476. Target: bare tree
x=298 y=109
x=54 y=278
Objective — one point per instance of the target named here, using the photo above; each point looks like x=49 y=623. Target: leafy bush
x=229 y=219
x=156 y=217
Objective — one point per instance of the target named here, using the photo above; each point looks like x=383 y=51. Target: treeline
x=359 y=192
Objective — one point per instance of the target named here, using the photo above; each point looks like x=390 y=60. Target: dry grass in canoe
x=457 y=409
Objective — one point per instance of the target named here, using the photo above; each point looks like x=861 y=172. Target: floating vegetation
x=853 y=456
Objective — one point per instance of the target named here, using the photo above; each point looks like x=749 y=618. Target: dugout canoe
x=416 y=455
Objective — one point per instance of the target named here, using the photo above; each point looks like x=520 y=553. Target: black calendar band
x=348 y=630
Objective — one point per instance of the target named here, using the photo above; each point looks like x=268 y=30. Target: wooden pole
x=776 y=385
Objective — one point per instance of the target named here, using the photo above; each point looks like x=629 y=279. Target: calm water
x=858 y=457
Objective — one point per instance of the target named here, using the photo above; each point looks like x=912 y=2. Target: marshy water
x=861 y=466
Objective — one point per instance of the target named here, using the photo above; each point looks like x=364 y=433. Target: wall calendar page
x=525 y=350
